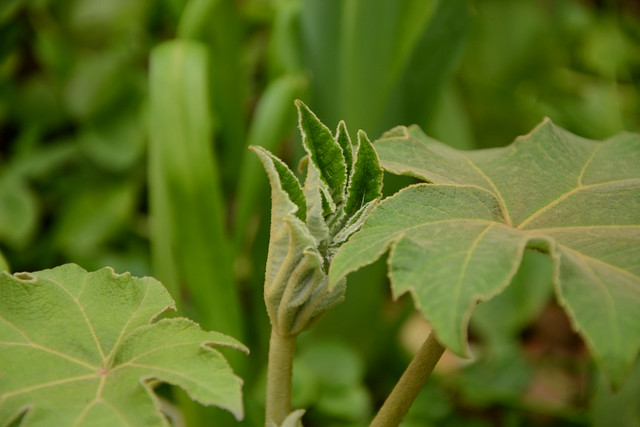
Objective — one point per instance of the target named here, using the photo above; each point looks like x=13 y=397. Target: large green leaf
x=78 y=348
x=461 y=239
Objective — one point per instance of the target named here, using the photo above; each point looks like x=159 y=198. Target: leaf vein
x=568 y=194
x=48 y=384
x=84 y=314
x=498 y=194
x=33 y=344
x=124 y=327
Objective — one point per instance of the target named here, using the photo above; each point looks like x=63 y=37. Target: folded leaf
x=324 y=152
x=343 y=139
x=365 y=183
x=461 y=239
x=78 y=348
x=288 y=196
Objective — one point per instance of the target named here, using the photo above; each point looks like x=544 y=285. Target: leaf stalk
x=407 y=388
x=279 y=375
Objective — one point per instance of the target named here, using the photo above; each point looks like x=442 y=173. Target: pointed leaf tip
x=283 y=183
x=325 y=153
x=343 y=139
x=365 y=184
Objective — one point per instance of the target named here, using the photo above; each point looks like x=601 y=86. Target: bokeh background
x=124 y=127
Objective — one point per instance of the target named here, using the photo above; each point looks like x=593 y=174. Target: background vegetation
x=95 y=169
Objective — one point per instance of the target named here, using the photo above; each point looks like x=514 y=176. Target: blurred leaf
x=4 y=265
x=196 y=17
x=216 y=24
x=41 y=161
x=350 y=404
x=116 y=143
x=426 y=74
x=38 y=104
x=381 y=33
x=285 y=50
x=8 y=9
x=337 y=373
x=334 y=363
x=98 y=21
x=450 y=121
x=503 y=317
x=607 y=51
x=92 y=217
x=496 y=378
x=98 y=82
x=273 y=119
x=18 y=211
x=367 y=58
x=550 y=190
x=431 y=407
x=189 y=244
x=618 y=408
x=94 y=355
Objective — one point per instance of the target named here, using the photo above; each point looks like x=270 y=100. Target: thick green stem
x=410 y=384
x=279 y=370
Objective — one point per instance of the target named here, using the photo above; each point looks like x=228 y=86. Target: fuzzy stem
x=410 y=384
x=279 y=371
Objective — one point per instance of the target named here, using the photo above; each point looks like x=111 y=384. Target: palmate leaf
x=461 y=238
x=78 y=348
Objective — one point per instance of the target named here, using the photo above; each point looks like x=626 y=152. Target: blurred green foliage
x=77 y=183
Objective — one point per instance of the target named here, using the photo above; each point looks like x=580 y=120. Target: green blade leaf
x=324 y=152
x=461 y=239
x=92 y=352
x=189 y=245
x=365 y=183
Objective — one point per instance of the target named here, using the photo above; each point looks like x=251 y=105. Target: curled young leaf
x=325 y=153
x=301 y=247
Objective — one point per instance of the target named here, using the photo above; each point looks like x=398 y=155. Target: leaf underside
x=78 y=348
x=459 y=238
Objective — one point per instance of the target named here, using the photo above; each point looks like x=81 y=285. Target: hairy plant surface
x=78 y=348
x=460 y=237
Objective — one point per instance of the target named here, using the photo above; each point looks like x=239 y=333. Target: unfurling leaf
x=78 y=348
x=339 y=191
x=325 y=152
x=461 y=238
x=366 y=183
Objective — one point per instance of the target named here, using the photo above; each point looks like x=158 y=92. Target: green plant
x=308 y=226
x=101 y=164
x=454 y=241
x=460 y=239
